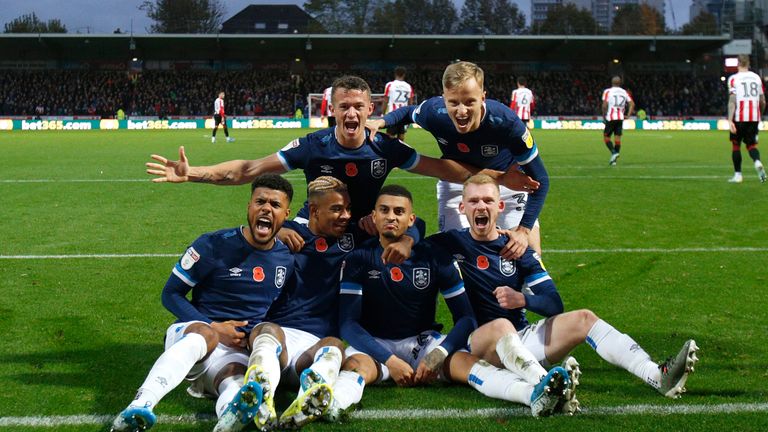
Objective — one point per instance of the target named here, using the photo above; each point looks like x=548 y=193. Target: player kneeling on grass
x=234 y=275
x=387 y=314
x=502 y=289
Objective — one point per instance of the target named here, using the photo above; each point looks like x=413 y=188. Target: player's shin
x=265 y=356
x=621 y=350
x=227 y=390
x=518 y=359
x=499 y=383
x=327 y=363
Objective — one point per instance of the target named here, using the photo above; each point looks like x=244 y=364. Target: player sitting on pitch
x=387 y=315
x=234 y=275
x=498 y=288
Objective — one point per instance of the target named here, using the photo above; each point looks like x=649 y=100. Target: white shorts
x=449 y=197
x=296 y=343
x=411 y=349
x=204 y=372
x=534 y=338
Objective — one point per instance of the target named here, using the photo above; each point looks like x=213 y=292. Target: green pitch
x=660 y=246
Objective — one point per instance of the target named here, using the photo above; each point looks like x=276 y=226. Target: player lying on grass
x=486 y=134
x=234 y=275
x=347 y=152
x=303 y=321
x=498 y=288
x=387 y=315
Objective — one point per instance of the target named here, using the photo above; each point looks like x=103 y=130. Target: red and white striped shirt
x=747 y=86
x=325 y=107
x=617 y=99
x=522 y=103
x=399 y=94
x=218 y=106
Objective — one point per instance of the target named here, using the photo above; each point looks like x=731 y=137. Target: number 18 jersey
x=747 y=86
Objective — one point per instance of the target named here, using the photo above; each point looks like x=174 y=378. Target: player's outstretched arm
x=234 y=172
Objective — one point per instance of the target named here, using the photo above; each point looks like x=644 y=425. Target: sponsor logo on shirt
x=190 y=258
x=489 y=150
x=378 y=168
x=326 y=169
x=374 y=274
x=280 y=272
x=459 y=257
x=421 y=277
x=347 y=242
x=442 y=141
x=235 y=271
x=506 y=267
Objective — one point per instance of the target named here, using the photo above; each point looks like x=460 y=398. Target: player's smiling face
x=329 y=216
x=267 y=211
x=351 y=109
x=481 y=204
x=465 y=105
x=392 y=216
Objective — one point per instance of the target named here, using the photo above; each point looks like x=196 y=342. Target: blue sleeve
x=296 y=154
x=535 y=169
x=174 y=298
x=417 y=231
x=400 y=116
x=351 y=309
x=464 y=323
x=541 y=295
x=397 y=153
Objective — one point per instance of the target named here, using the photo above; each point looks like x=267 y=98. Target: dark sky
x=88 y=16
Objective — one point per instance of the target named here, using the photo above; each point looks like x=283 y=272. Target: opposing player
x=220 y=118
x=397 y=94
x=388 y=317
x=616 y=102
x=498 y=288
x=234 y=275
x=347 y=152
x=522 y=101
x=746 y=103
x=325 y=107
x=483 y=133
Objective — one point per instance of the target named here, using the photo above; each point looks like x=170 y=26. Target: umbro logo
x=235 y=271
x=442 y=141
x=459 y=257
x=326 y=169
x=374 y=274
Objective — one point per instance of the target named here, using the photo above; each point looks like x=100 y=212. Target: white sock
x=170 y=369
x=499 y=383
x=327 y=363
x=518 y=359
x=621 y=350
x=266 y=354
x=348 y=389
x=758 y=164
x=228 y=388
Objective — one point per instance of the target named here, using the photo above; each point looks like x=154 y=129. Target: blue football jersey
x=311 y=303
x=483 y=270
x=363 y=169
x=399 y=301
x=229 y=279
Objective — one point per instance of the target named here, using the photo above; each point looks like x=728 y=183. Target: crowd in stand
x=276 y=93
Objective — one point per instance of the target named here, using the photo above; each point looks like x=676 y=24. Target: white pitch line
x=409 y=414
x=546 y=251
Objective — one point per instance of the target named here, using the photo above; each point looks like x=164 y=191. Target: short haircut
x=324 y=184
x=350 y=82
x=395 y=190
x=744 y=60
x=616 y=80
x=522 y=80
x=480 y=179
x=400 y=72
x=274 y=182
x=458 y=73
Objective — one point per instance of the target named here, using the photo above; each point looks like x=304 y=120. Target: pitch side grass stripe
x=548 y=251
x=411 y=414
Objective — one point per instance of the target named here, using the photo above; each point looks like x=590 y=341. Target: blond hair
x=324 y=184
x=744 y=60
x=458 y=73
x=481 y=179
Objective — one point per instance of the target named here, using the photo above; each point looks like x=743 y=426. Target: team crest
x=280 y=276
x=378 y=168
x=506 y=267
x=347 y=242
x=489 y=150
x=421 y=277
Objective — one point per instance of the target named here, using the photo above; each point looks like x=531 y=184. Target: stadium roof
x=324 y=47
